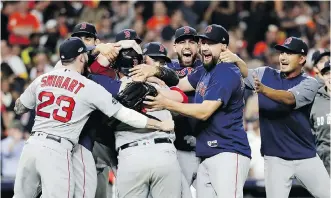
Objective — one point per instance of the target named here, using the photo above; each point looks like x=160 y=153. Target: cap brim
x=327 y=53
x=185 y=36
x=324 y=70
x=80 y=33
x=203 y=36
x=283 y=48
x=167 y=59
x=138 y=40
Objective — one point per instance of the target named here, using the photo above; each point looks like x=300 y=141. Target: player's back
x=62 y=103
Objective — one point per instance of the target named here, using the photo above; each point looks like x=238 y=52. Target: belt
x=52 y=137
x=146 y=142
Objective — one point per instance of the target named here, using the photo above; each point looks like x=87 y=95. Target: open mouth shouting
x=187 y=56
x=284 y=65
x=207 y=57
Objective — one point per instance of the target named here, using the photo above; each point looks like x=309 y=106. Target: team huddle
x=163 y=125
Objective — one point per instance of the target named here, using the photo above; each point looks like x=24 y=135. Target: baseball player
x=186 y=47
x=319 y=58
x=147 y=161
x=62 y=102
x=287 y=142
x=320 y=117
x=222 y=142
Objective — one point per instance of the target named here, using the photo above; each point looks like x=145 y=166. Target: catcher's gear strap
x=131 y=117
x=168 y=75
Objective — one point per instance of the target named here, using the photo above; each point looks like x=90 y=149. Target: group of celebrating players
x=163 y=125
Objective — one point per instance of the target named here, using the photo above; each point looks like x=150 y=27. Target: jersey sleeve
x=221 y=86
x=305 y=92
x=195 y=76
x=249 y=80
x=112 y=86
x=28 y=97
x=102 y=100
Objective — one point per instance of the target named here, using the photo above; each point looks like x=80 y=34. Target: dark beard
x=211 y=65
x=182 y=63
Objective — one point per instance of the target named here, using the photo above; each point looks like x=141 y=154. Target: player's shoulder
x=225 y=68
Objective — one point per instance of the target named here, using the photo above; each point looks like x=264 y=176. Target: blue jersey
x=223 y=131
x=285 y=130
x=184 y=126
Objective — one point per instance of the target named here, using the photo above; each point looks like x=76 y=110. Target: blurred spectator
x=29 y=52
x=176 y=22
x=7 y=9
x=270 y=41
x=254 y=138
x=15 y=63
x=160 y=18
x=51 y=37
x=139 y=27
x=21 y=24
x=104 y=28
x=222 y=13
x=124 y=15
x=62 y=20
x=39 y=7
x=11 y=148
x=42 y=65
x=139 y=8
x=189 y=14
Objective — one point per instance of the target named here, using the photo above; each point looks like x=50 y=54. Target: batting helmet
x=127 y=59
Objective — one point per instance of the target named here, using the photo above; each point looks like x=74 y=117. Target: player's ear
x=174 y=46
x=97 y=41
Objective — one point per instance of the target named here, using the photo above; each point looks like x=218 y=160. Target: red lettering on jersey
x=59 y=81
x=81 y=85
x=50 y=80
x=43 y=81
x=72 y=85
x=66 y=83
x=54 y=81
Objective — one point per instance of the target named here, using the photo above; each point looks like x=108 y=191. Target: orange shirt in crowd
x=156 y=23
x=19 y=20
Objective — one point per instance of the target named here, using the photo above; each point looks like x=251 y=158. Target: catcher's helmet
x=127 y=59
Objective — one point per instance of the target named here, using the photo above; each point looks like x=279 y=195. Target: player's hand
x=156 y=80
x=108 y=50
x=228 y=57
x=155 y=103
x=168 y=125
x=143 y=70
x=258 y=86
x=141 y=78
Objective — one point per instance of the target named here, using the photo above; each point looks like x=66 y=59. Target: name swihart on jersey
x=62 y=82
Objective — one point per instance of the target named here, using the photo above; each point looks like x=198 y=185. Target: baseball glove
x=133 y=95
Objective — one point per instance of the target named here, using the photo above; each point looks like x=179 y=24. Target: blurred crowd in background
x=31 y=32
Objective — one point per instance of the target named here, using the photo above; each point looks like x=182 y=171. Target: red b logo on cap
x=208 y=29
x=186 y=30
x=288 y=41
x=127 y=34
x=161 y=48
x=83 y=26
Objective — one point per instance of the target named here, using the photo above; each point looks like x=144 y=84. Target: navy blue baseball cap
x=73 y=47
x=156 y=49
x=128 y=34
x=326 y=67
x=83 y=29
x=318 y=54
x=294 y=45
x=185 y=32
x=215 y=33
